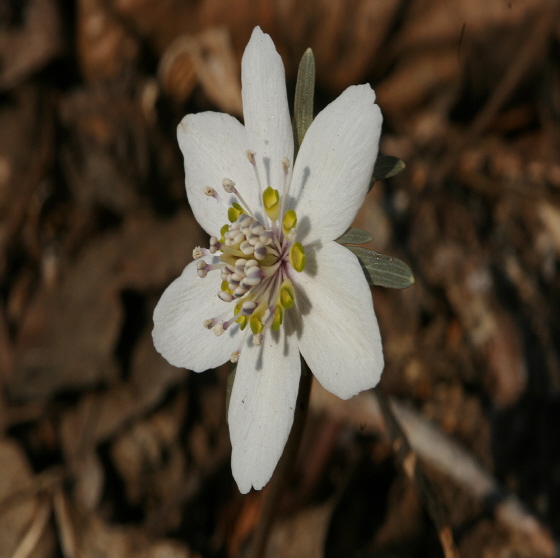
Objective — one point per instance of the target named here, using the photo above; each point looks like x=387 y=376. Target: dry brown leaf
x=88 y=536
x=23 y=526
x=207 y=58
x=105 y=47
x=27 y=46
x=68 y=336
x=303 y=534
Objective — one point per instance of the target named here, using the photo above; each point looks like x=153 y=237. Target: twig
x=285 y=466
x=408 y=460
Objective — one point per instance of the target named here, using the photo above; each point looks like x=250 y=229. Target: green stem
x=284 y=469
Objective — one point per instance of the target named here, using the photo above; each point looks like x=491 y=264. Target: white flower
x=274 y=283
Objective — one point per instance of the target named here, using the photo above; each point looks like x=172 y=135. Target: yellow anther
x=278 y=317
x=225 y=287
x=271 y=201
x=256 y=324
x=234 y=212
x=242 y=321
x=223 y=232
x=297 y=257
x=290 y=221
x=287 y=294
x=255 y=321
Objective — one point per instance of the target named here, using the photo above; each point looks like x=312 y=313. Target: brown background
x=106 y=450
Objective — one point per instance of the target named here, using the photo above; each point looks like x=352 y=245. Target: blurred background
x=106 y=450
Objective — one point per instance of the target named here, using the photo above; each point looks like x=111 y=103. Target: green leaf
x=354 y=236
x=229 y=386
x=305 y=90
x=386 y=166
x=382 y=270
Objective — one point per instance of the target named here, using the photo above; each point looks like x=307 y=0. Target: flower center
x=255 y=262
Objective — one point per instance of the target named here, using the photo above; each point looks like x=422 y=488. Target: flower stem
x=285 y=468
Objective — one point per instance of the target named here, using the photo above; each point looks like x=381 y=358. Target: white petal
x=265 y=109
x=178 y=332
x=214 y=147
x=339 y=337
x=334 y=165
x=261 y=408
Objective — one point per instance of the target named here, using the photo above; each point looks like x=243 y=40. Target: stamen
x=289 y=222
x=257 y=339
x=266 y=237
x=297 y=256
x=271 y=201
x=197 y=253
x=234 y=356
x=218 y=329
x=234 y=212
x=287 y=294
x=201 y=269
x=286 y=169
x=246 y=247
x=260 y=250
x=229 y=187
x=211 y=193
x=225 y=296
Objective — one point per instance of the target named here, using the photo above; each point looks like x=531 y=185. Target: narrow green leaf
x=382 y=270
x=354 y=236
x=386 y=166
x=305 y=90
x=229 y=386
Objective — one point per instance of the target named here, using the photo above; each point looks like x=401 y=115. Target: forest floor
x=108 y=450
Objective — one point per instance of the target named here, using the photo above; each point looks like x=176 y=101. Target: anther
x=286 y=164
x=201 y=269
x=234 y=356
x=218 y=329
x=248 y=307
x=260 y=250
x=208 y=324
x=226 y=297
x=210 y=192
x=215 y=245
x=239 y=292
x=244 y=220
x=246 y=247
x=240 y=265
x=266 y=237
x=256 y=228
x=251 y=263
x=251 y=156
x=257 y=339
x=197 y=253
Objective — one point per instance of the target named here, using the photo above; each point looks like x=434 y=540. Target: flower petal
x=178 y=332
x=339 y=335
x=261 y=408
x=334 y=165
x=265 y=109
x=214 y=147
